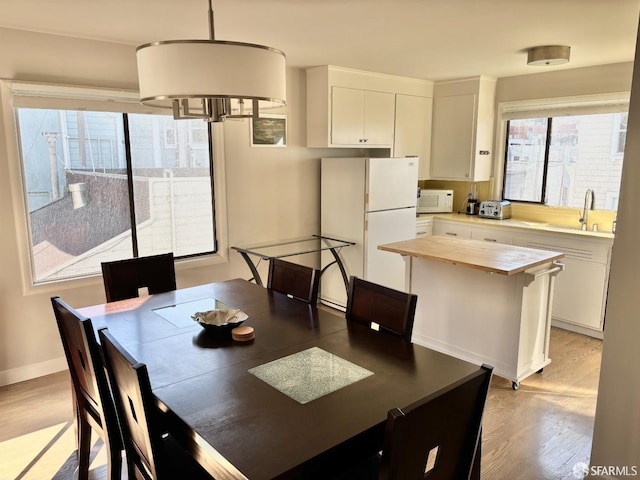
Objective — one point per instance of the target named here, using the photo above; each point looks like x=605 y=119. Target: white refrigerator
x=369 y=201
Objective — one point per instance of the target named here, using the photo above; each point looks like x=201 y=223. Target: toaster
x=500 y=210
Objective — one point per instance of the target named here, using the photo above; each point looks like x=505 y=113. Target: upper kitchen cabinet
x=462 y=133
x=361 y=118
x=413 y=130
x=349 y=108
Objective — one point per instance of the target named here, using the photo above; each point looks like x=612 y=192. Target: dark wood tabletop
x=237 y=425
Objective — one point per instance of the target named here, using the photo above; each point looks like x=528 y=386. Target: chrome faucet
x=589 y=204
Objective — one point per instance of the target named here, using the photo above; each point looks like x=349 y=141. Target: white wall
x=612 y=78
x=272 y=193
x=616 y=439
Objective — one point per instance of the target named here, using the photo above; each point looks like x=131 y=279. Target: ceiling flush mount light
x=211 y=79
x=548 y=55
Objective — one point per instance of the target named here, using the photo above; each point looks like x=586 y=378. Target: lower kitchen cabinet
x=580 y=295
x=580 y=292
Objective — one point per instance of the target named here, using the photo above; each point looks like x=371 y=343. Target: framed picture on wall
x=269 y=131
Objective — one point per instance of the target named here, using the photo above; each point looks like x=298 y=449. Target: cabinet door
x=412 y=133
x=424 y=228
x=452 y=229
x=580 y=291
x=452 y=142
x=378 y=118
x=347 y=113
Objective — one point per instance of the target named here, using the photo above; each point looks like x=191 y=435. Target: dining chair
x=370 y=303
x=437 y=437
x=151 y=455
x=297 y=281
x=93 y=401
x=123 y=278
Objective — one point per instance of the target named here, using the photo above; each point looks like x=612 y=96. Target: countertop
x=490 y=257
x=517 y=223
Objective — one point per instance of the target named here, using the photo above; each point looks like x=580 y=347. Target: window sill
x=59 y=286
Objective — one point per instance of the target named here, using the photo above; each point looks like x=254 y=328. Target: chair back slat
x=94 y=403
x=392 y=310
x=82 y=353
x=298 y=281
x=135 y=403
x=123 y=278
x=437 y=437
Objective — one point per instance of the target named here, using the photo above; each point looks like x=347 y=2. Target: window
x=105 y=185
x=554 y=160
x=620 y=130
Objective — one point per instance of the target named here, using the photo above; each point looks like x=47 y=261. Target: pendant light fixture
x=211 y=79
x=548 y=55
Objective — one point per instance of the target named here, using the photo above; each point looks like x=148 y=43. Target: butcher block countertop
x=487 y=256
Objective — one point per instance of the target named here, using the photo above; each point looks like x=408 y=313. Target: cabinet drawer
x=452 y=229
x=495 y=235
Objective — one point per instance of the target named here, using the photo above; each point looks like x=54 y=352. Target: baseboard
x=501 y=369
x=590 y=332
x=20 y=374
x=332 y=304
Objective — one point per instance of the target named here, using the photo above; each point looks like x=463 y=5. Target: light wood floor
x=536 y=433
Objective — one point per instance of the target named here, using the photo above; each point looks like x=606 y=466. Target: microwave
x=435 y=201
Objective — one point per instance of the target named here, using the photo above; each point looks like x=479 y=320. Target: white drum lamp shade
x=211 y=79
x=200 y=69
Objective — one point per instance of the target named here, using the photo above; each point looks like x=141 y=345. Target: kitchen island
x=482 y=302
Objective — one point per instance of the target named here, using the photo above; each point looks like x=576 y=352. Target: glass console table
x=290 y=248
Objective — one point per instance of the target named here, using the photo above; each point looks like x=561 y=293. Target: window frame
x=15 y=94
x=616 y=154
x=545 y=167
x=616 y=102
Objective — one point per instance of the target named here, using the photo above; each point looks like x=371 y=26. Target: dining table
x=306 y=397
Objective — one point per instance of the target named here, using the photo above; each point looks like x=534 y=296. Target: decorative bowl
x=220 y=320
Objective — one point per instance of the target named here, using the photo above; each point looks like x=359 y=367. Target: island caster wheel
x=515 y=385
x=541 y=370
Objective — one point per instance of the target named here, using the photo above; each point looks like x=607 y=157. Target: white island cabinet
x=482 y=302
